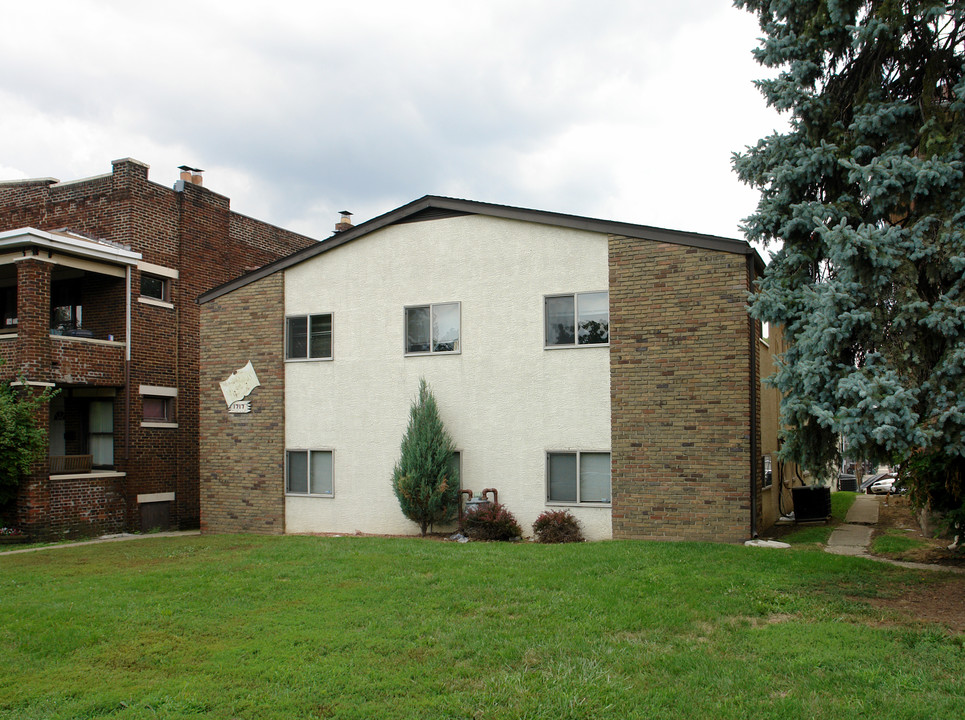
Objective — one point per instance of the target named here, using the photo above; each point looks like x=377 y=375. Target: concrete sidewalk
x=104 y=539
x=854 y=537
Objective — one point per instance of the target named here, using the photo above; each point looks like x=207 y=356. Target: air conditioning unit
x=811 y=502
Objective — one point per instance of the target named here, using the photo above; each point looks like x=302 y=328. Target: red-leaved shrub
x=491 y=522
x=557 y=526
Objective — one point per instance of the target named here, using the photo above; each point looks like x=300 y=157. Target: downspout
x=127 y=365
x=752 y=345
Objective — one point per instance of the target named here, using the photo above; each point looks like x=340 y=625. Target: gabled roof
x=434 y=207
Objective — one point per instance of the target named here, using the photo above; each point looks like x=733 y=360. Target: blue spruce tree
x=866 y=195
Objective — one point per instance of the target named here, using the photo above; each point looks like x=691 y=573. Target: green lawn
x=301 y=627
x=895 y=543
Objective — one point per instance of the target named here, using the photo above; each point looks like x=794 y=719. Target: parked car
x=872 y=479
x=884 y=486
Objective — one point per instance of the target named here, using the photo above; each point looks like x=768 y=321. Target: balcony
x=86 y=361
x=64 y=307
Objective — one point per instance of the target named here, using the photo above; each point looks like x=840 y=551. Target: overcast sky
x=617 y=109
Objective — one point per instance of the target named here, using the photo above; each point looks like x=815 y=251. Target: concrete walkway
x=104 y=539
x=854 y=537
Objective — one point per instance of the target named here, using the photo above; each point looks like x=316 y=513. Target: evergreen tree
x=424 y=480
x=866 y=193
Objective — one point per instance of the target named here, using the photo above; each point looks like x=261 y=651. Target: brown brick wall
x=242 y=455
x=8 y=351
x=83 y=507
x=77 y=361
x=192 y=230
x=679 y=374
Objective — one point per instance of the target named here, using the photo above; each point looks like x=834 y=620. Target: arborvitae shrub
x=424 y=480
x=491 y=522
x=557 y=526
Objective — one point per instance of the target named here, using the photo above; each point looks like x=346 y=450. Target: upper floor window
x=577 y=319
x=155 y=287
x=309 y=337
x=157 y=284
x=8 y=308
x=432 y=328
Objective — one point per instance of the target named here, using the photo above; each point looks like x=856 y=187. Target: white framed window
x=309 y=472
x=576 y=319
x=768 y=472
x=432 y=328
x=308 y=337
x=158 y=406
x=579 y=478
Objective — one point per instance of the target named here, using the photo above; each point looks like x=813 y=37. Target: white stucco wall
x=504 y=398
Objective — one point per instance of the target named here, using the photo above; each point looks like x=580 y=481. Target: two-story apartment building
x=603 y=367
x=98 y=285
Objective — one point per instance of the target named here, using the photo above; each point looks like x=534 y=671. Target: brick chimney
x=345 y=223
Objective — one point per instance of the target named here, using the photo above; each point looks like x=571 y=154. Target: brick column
x=33 y=319
x=33 y=495
x=33 y=361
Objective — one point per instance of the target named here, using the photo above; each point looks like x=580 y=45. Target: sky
x=625 y=110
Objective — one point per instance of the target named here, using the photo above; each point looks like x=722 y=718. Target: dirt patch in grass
x=895 y=513
x=941 y=602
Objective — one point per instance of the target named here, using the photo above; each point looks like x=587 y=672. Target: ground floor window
x=309 y=472
x=101 y=433
x=578 y=477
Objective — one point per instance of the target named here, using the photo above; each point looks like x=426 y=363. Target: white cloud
x=621 y=109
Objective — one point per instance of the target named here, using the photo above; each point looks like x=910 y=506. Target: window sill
x=155 y=497
x=156 y=303
x=302 y=360
x=576 y=347
x=147 y=424
x=431 y=354
x=309 y=497
x=561 y=503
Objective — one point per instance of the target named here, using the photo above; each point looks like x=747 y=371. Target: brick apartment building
x=98 y=285
x=603 y=367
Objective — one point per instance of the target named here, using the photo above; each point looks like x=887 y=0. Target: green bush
x=557 y=526
x=22 y=440
x=491 y=522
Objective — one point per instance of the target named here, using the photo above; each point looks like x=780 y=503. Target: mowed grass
x=896 y=543
x=305 y=627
